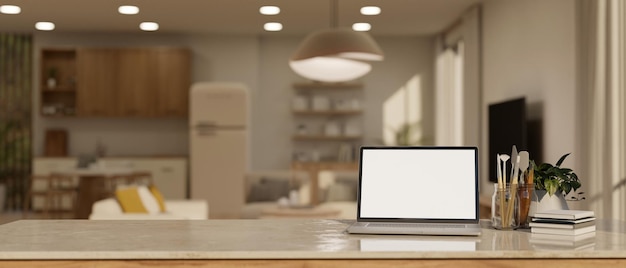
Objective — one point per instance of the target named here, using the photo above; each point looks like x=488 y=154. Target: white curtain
x=603 y=101
x=457 y=92
x=449 y=97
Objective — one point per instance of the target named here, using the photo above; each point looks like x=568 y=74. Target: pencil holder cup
x=525 y=195
x=505 y=207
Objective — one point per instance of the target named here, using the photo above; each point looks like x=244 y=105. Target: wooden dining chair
x=58 y=193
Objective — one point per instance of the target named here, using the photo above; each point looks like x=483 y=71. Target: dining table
x=92 y=185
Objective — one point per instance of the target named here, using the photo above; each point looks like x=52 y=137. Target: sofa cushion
x=110 y=209
x=159 y=197
x=107 y=206
x=137 y=199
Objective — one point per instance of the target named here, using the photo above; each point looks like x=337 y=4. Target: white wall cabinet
x=168 y=174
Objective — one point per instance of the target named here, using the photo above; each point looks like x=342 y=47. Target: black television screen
x=507 y=127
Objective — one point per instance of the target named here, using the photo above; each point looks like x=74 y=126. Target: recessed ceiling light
x=361 y=27
x=128 y=10
x=370 y=10
x=269 y=10
x=273 y=26
x=149 y=26
x=10 y=9
x=44 y=26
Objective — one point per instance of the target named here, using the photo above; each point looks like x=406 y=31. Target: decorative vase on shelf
x=542 y=201
x=52 y=82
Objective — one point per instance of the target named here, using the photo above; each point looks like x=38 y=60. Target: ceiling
x=398 y=17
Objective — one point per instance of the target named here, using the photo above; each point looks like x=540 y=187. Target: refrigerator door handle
x=205 y=124
x=206 y=132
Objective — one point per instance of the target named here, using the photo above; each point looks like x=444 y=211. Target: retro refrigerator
x=218 y=146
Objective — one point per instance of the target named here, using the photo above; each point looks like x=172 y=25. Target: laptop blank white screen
x=418 y=183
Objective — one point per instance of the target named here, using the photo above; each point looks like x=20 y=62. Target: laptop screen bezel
x=419 y=220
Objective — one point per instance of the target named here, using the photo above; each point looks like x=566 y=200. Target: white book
x=566 y=238
x=562 y=221
x=563 y=225
x=579 y=231
x=565 y=214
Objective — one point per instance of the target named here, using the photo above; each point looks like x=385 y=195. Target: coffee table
x=299 y=213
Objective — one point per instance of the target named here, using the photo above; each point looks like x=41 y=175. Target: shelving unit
x=58 y=82
x=327 y=120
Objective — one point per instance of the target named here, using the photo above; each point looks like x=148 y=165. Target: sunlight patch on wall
x=402 y=114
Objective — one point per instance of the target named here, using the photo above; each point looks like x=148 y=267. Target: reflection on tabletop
x=446 y=244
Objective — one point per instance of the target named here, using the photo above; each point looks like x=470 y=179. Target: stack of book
x=568 y=228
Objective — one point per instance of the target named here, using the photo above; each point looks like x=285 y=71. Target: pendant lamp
x=336 y=54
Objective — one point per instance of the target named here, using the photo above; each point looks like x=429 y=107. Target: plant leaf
x=566 y=188
x=558 y=163
x=575 y=185
x=551 y=186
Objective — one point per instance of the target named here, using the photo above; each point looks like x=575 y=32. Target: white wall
x=529 y=49
x=259 y=62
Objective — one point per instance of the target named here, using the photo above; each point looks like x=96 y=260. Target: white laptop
x=417 y=190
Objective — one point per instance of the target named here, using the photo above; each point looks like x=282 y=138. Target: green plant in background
x=52 y=72
x=556 y=179
x=12 y=140
x=16 y=51
x=407 y=134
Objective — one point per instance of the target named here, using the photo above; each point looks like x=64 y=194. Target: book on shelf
x=561 y=225
x=565 y=214
x=562 y=221
x=579 y=231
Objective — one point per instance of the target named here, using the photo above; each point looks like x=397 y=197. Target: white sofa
x=263 y=188
x=110 y=209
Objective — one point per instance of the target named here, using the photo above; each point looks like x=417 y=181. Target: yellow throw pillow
x=137 y=199
x=129 y=200
x=159 y=197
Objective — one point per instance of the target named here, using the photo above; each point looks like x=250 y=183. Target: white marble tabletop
x=273 y=239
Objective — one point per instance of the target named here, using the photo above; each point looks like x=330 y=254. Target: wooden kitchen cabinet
x=121 y=82
x=173 y=82
x=97 y=82
x=136 y=82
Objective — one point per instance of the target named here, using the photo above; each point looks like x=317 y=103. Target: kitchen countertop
x=149 y=156
x=274 y=239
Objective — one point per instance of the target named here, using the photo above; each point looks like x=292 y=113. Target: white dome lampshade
x=335 y=55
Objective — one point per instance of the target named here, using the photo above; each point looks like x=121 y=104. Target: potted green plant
x=552 y=184
x=555 y=179
x=12 y=139
x=52 y=77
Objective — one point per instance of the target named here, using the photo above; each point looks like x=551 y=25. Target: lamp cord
x=334 y=6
